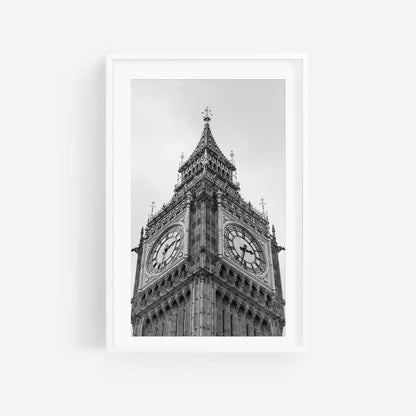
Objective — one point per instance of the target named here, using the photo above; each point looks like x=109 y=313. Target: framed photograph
x=206 y=179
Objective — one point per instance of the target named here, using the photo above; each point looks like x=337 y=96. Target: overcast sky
x=248 y=118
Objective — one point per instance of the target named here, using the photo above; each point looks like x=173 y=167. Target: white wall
x=361 y=209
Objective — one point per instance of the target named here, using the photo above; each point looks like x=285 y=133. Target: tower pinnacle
x=262 y=203
x=152 y=207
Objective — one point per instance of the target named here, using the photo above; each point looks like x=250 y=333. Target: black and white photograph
x=208 y=177
x=208 y=208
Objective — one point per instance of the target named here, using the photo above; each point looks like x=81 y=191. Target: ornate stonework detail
x=200 y=279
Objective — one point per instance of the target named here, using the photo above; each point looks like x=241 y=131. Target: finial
x=232 y=157
x=207 y=113
x=152 y=207
x=262 y=203
x=180 y=165
x=274 y=232
x=141 y=233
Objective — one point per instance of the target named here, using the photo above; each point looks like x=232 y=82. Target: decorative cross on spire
x=152 y=207
x=182 y=156
x=262 y=203
x=207 y=113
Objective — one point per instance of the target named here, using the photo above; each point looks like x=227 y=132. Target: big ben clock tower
x=207 y=263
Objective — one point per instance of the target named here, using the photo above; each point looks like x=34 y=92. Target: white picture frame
x=121 y=69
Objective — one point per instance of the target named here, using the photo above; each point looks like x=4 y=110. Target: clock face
x=165 y=250
x=241 y=246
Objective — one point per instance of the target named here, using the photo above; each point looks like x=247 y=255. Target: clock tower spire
x=207 y=155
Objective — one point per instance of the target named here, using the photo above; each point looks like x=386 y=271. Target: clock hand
x=165 y=250
x=244 y=248
x=164 y=253
x=163 y=258
x=167 y=247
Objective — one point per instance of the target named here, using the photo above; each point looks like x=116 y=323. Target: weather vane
x=207 y=113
